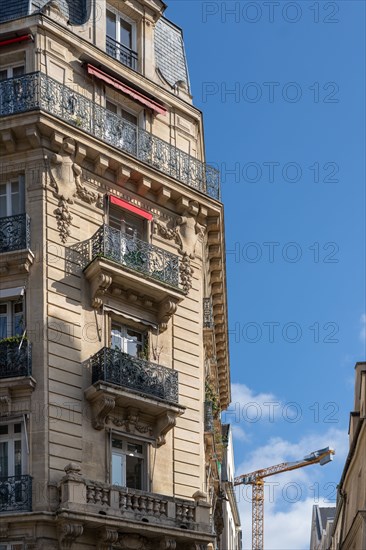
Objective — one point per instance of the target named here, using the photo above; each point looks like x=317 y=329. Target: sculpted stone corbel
x=101 y=409
x=107 y=537
x=99 y=287
x=164 y=424
x=68 y=533
x=167 y=544
x=5 y=403
x=166 y=310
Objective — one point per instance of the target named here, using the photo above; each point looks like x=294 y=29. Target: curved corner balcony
x=38 y=91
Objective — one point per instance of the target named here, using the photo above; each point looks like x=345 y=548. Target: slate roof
x=74 y=10
x=170 y=53
x=12 y=9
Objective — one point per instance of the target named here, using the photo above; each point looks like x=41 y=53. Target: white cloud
x=249 y=407
x=239 y=433
x=363 y=327
x=289 y=497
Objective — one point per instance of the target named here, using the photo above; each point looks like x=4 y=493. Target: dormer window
x=121 y=38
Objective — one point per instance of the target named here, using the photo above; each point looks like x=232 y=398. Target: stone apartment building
x=349 y=527
x=114 y=362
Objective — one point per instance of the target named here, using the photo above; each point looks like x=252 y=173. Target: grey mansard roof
x=12 y=9
x=75 y=11
x=170 y=53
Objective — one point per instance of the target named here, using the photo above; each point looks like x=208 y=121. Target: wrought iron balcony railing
x=135 y=254
x=15 y=494
x=209 y=418
x=121 y=53
x=126 y=371
x=207 y=313
x=39 y=91
x=15 y=361
x=14 y=233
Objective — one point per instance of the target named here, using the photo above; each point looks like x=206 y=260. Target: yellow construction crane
x=256 y=480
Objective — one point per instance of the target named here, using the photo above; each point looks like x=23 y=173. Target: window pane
x=134 y=468
x=4 y=459
x=116 y=338
x=3 y=209
x=129 y=117
x=18 y=327
x=133 y=448
x=3 y=74
x=18 y=71
x=126 y=34
x=118 y=461
x=4 y=429
x=17 y=458
x=117 y=443
x=3 y=327
x=134 y=342
x=111 y=107
x=18 y=428
x=111 y=25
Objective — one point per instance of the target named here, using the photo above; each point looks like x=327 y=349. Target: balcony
x=118 y=368
x=16 y=255
x=120 y=52
x=14 y=233
x=209 y=417
x=154 y=275
x=133 y=384
x=136 y=255
x=138 y=513
x=16 y=494
x=37 y=91
x=15 y=361
x=207 y=314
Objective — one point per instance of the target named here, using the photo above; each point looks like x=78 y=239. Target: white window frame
x=124 y=452
x=10 y=439
x=119 y=15
x=8 y=195
x=11 y=315
x=10 y=69
x=124 y=336
x=11 y=545
x=139 y=113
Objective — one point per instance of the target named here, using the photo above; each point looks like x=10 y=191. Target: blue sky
x=290 y=143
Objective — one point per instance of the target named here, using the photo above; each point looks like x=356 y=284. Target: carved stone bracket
x=163 y=425
x=166 y=310
x=66 y=182
x=5 y=404
x=102 y=406
x=68 y=533
x=167 y=543
x=99 y=287
x=107 y=536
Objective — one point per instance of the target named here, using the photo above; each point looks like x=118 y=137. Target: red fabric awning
x=126 y=90
x=131 y=207
x=16 y=39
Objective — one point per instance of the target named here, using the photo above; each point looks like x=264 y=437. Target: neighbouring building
x=113 y=306
x=231 y=536
x=349 y=528
x=321 y=527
